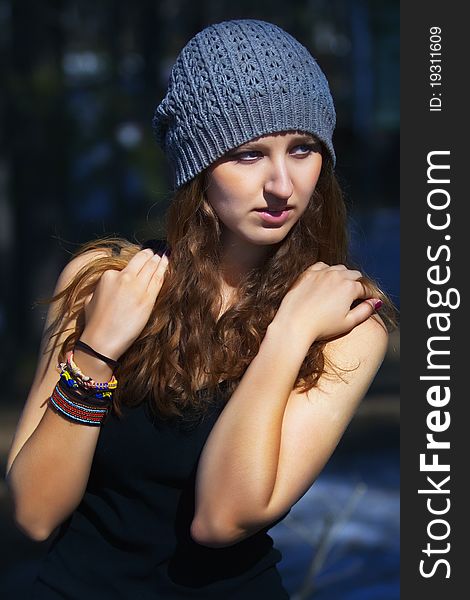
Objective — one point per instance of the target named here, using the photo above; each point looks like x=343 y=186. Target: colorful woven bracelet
x=79 y=389
x=76 y=404
x=72 y=381
x=75 y=392
x=76 y=412
x=85 y=380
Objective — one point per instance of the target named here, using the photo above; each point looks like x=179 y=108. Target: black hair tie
x=112 y=363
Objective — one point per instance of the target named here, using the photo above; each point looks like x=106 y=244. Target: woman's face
x=260 y=189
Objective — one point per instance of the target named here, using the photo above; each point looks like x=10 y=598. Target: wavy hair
x=184 y=338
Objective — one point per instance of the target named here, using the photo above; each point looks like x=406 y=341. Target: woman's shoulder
x=112 y=248
x=367 y=341
x=90 y=255
x=80 y=261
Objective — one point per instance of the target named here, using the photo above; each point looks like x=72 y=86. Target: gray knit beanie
x=235 y=81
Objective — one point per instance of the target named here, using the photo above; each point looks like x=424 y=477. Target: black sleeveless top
x=129 y=538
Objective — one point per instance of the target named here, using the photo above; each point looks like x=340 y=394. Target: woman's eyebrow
x=298 y=139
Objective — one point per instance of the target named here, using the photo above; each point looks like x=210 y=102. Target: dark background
x=78 y=161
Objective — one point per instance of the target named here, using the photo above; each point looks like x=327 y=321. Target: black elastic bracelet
x=112 y=363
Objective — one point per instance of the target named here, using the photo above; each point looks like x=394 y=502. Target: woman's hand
x=119 y=308
x=318 y=305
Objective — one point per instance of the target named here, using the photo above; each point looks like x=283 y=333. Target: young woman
x=203 y=388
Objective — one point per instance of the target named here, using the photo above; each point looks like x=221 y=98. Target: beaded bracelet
x=76 y=412
x=78 y=397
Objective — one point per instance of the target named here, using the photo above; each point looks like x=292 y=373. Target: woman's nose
x=278 y=180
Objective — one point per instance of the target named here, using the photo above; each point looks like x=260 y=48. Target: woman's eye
x=307 y=148
x=251 y=155
x=247 y=156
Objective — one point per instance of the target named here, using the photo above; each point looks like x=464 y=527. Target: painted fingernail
x=378 y=304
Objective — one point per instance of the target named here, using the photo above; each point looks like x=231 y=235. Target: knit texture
x=235 y=81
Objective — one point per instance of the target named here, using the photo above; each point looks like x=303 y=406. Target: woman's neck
x=238 y=258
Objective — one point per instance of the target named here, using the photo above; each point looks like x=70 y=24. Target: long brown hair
x=184 y=339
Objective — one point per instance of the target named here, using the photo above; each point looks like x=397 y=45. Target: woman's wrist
x=102 y=345
x=91 y=366
x=287 y=328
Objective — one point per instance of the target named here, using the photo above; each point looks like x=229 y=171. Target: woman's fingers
x=350 y=273
x=361 y=290
x=146 y=267
x=138 y=261
x=327 y=301
x=353 y=274
x=156 y=278
x=318 y=266
x=361 y=312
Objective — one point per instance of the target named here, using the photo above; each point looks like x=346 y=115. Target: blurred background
x=77 y=161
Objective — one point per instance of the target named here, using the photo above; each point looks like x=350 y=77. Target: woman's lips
x=274 y=216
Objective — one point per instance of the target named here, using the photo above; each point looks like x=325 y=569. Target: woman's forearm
x=48 y=477
x=237 y=468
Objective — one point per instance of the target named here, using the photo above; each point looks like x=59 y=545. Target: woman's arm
x=314 y=422
x=270 y=442
x=269 y=445
x=50 y=458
